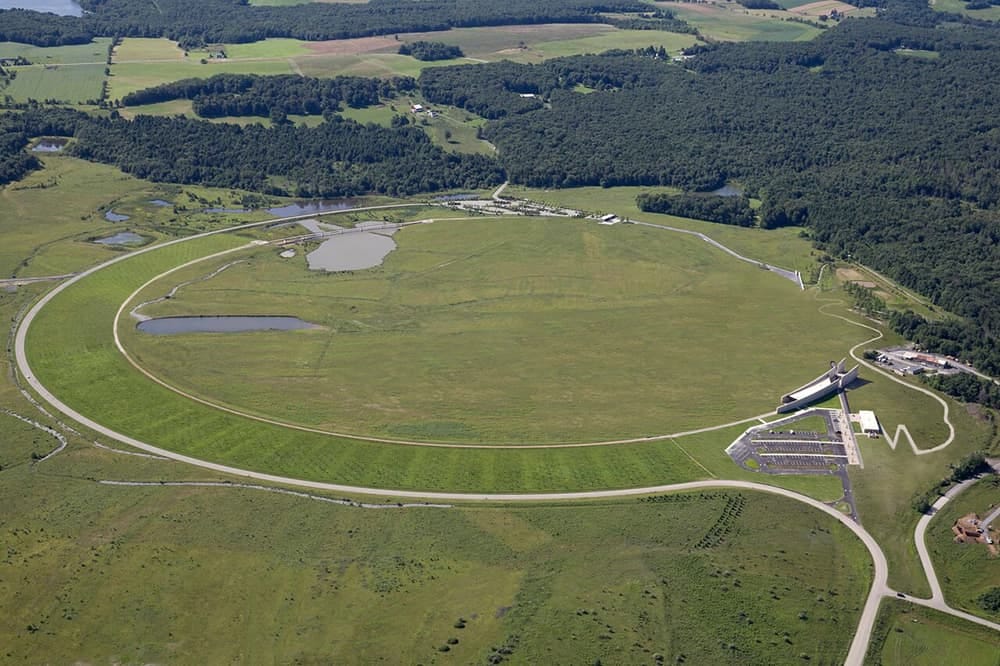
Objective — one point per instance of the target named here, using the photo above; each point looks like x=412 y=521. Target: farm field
x=908 y=635
x=94 y=53
x=404 y=362
x=733 y=23
x=65 y=83
x=140 y=63
x=70 y=74
x=127 y=77
x=959 y=7
x=965 y=570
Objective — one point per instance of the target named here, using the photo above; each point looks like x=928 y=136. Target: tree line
x=713 y=208
x=197 y=22
x=427 y=51
x=254 y=95
x=337 y=158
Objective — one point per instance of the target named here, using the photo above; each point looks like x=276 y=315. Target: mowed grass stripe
x=71 y=350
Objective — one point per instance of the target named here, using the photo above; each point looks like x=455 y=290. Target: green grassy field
x=64 y=83
x=959 y=7
x=95 y=53
x=587 y=333
x=908 y=635
x=96 y=574
x=733 y=23
x=965 y=570
x=128 y=77
x=780 y=247
x=47 y=217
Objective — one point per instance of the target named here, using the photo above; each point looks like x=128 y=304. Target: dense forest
x=337 y=158
x=723 y=210
x=428 y=51
x=253 y=95
x=197 y=22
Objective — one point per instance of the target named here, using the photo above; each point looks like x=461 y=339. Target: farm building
x=869 y=423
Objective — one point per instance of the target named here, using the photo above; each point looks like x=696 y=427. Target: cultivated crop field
x=734 y=23
x=504 y=332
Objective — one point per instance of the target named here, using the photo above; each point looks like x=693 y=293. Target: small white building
x=869 y=423
x=417 y=108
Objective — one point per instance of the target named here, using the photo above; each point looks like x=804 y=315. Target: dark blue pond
x=223 y=324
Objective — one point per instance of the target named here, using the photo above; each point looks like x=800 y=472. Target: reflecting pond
x=221 y=324
x=112 y=216
x=49 y=145
x=122 y=238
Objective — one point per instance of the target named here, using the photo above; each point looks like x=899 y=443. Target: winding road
x=879 y=587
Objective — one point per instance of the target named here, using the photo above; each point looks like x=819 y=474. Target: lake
x=61 y=7
x=221 y=324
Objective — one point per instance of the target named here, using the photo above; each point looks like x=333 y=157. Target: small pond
x=353 y=251
x=122 y=238
x=468 y=196
x=296 y=207
x=310 y=207
x=728 y=191
x=49 y=145
x=112 y=216
x=61 y=7
x=221 y=324
x=160 y=202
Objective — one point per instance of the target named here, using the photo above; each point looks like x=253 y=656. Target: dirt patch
x=352 y=46
x=850 y=275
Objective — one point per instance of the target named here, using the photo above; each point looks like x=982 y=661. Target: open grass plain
x=731 y=22
x=587 y=333
x=292 y=579
x=908 y=635
x=966 y=570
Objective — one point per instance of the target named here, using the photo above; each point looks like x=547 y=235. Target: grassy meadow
x=69 y=74
x=965 y=570
x=780 y=247
x=97 y=574
x=959 y=7
x=908 y=635
x=585 y=332
x=731 y=22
